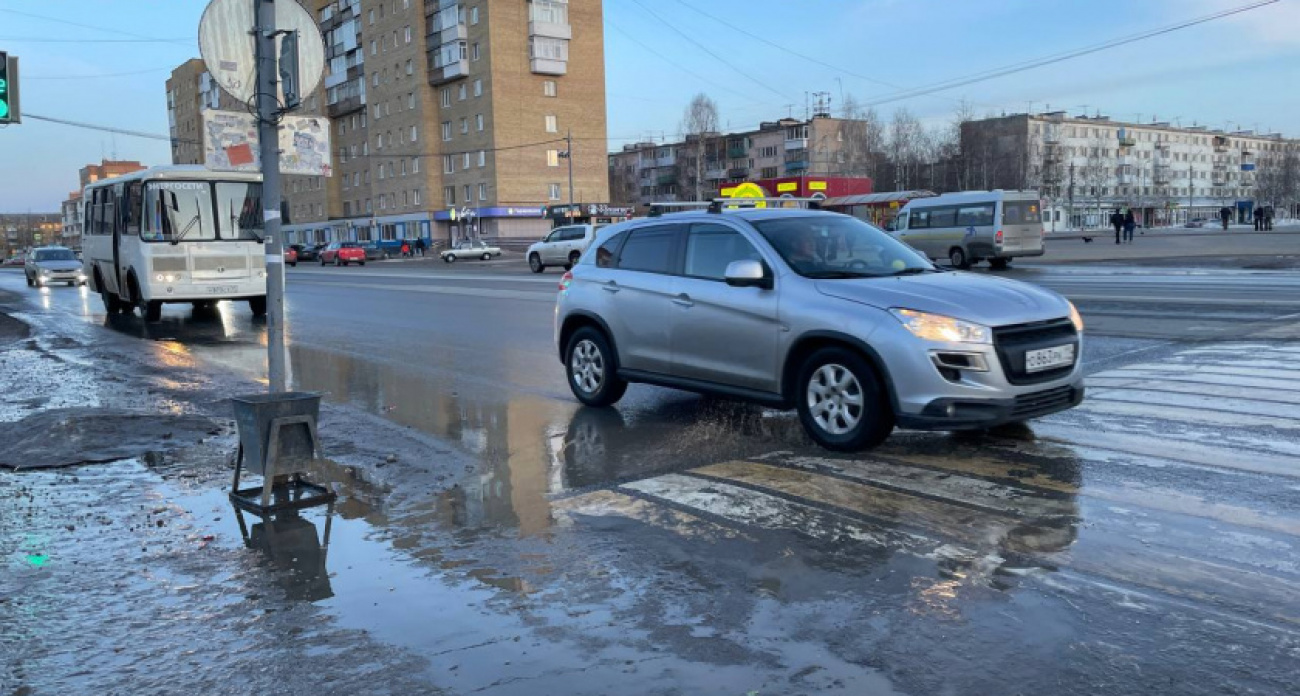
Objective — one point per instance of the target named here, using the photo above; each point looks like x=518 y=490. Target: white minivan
x=974 y=226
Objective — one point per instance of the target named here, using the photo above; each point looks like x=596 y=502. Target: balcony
x=666 y=161
x=665 y=178
x=550 y=30
x=345 y=106
x=1162 y=176
x=793 y=166
x=1220 y=143
x=1126 y=139
x=796 y=144
x=449 y=72
x=738 y=172
x=1051 y=134
x=1247 y=179
x=737 y=152
x=548 y=66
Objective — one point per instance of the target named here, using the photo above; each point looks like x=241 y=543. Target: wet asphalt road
x=1143 y=543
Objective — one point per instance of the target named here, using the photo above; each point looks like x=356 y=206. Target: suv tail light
x=998 y=238
x=566 y=281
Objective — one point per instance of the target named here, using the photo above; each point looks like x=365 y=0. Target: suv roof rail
x=657 y=209
x=719 y=204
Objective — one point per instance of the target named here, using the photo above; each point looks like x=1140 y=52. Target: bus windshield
x=239 y=205
x=178 y=211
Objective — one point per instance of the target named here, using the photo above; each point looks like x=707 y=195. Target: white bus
x=971 y=226
x=175 y=234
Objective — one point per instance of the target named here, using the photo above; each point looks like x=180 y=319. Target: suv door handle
x=683 y=300
x=611 y=286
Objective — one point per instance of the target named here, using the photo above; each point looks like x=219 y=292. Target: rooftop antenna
x=1031 y=107
x=789 y=110
x=1084 y=107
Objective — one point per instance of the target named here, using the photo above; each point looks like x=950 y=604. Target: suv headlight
x=1075 y=317
x=936 y=327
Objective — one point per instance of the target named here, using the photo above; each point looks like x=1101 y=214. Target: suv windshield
x=838 y=246
x=54 y=255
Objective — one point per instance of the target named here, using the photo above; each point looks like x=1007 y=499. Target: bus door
x=111 y=213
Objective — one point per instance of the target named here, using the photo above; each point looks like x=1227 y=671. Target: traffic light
x=9 y=89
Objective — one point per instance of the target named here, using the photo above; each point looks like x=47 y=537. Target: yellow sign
x=787 y=186
x=893 y=204
x=747 y=190
x=816 y=185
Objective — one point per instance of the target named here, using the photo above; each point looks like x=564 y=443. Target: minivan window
x=1020 y=213
x=975 y=215
x=649 y=249
x=712 y=247
x=943 y=217
x=607 y=252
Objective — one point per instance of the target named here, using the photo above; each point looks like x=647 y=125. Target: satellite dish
x=227 y=46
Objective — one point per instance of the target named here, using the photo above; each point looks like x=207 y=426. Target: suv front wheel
x=590 y=365
x=841 y=402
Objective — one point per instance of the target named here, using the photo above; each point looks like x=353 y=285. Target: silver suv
x=814 y=311
x=562 y=247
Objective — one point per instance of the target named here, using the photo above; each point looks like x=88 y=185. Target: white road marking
x=483 y=293
x=1186 y=415
x=1158 y=400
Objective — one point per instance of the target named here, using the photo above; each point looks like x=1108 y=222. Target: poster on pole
x=230 y=143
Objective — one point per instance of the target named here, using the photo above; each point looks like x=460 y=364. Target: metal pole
x=568 y=143
x=268 y=132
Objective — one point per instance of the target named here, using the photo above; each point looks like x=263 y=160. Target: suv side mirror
x=748 y=274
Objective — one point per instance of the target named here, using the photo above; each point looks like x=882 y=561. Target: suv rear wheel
x=573 y=259
x=535 y=263
x=590 y=365
x=841 y=403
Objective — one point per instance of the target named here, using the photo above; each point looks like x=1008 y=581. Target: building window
x=374 y=80
x=482 y=158
x=449 y=195
x=552 y=126
x=473 y=15
x=403 y=167
x=374 y=48
x=553 y=192
x=446 y=130
x=478 y=122
x=464 y=125
x=478 y=87
x=446 y=97
x=406 y=199
x=415 y=197
x=474 y=51
x=465 y=161
x=469 y=193
x=410 y=101
x=408 y=35
x=415 y=165
x=448 y=164
x=372 y=18
x=552 y=158
x=414 y=134
x=410 y=67
x=482 y=192
x=548 y=88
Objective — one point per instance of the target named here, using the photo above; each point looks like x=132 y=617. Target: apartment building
x=800 y=158
x=1085 y=166
x=23 y=231
x=70 y=211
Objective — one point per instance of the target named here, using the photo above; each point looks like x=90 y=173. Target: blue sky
x=1239 y=72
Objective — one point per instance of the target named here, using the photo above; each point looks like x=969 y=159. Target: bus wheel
x=258 y=305
x=152 y=311
x=112 y=305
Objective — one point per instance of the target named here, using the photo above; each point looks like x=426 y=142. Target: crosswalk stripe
x=1176 y=502
x=1173 y=449
x=1189 y=415
x=1253 y=362
x=1160 y=399
x=607 y=503
x=975 y=465
x=1197 y=370
x=975 y=527
x=757 y=509
x=1204 y=381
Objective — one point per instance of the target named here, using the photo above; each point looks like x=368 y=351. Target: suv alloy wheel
x=840 y=401
x=591 y=369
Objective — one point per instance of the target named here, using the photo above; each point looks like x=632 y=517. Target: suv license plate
x=1047 y=358
x=228 y=290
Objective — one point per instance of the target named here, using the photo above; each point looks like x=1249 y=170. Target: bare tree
x=864 y=139
x=905 y=148
x=1096 y=172
x=968 y=144
x=699 y=123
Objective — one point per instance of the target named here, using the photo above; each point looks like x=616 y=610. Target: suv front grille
x=1011 y=342
x=1046 y=401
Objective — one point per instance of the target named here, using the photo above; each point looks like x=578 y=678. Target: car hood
x=977 y=298
x=58 y=265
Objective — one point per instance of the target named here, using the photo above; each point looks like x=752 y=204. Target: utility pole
x=568 y=155
x=268 y=132
x=1070 y=213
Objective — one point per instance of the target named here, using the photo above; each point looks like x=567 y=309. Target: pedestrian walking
x=1130 y=223
x=1259 y=219
x=1268 y=218
x=1117 y=221
x=406 y=249
x=1225 y=214
x=419 y=246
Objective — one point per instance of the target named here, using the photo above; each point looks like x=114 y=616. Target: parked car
x=374 y=252
x=309 y=252
x=562 y=247
x=48 y=265
x=290 y=256
x=818 y=312
x=1197 y=222
x=470 y=250
x=971 y=226
x=16 y=260
x=343 y=253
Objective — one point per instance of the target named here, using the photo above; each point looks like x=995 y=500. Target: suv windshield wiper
x=840 y=275
x=915 y=271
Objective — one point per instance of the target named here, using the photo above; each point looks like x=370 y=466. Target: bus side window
x=900 y=222
x=111 y=195
x=98 y=213
x=133 y=207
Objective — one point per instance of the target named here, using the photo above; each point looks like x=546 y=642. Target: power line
x=25 y=39
x=187 y=42
x=1059 y=57
x=709 y=51
x=673 y=63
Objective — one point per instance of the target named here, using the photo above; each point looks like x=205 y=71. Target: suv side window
x=650 y=249
x=572 y=234
x=712 y=247
x=607 y=253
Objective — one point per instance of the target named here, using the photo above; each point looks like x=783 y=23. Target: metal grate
x=169 y=263
x=1030 y=405
x=1011 y=342
x=212 y=263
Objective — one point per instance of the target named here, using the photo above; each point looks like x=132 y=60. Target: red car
x=291 y=256
x=343 y=253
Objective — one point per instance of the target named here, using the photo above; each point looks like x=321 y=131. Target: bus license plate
x=228 y=290
x=1047 y=358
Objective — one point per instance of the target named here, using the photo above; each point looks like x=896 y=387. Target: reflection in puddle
x=292 y=545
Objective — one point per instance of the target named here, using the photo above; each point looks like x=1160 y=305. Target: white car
x=562 y=247
x=470 y=250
